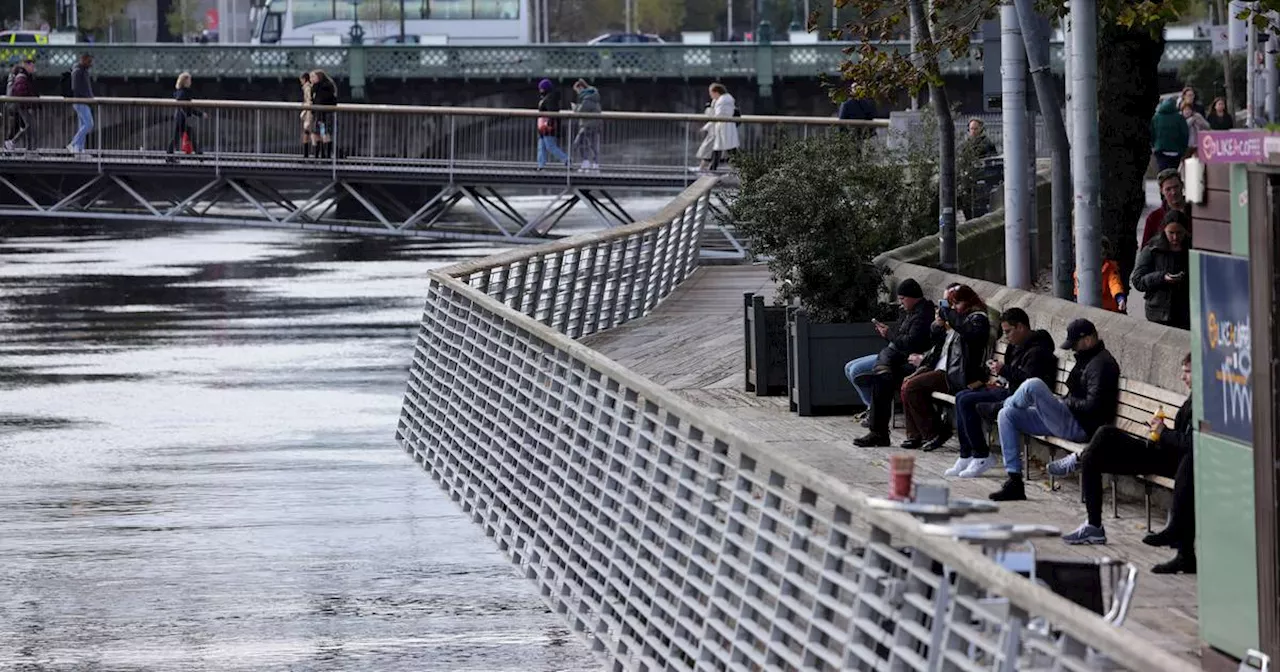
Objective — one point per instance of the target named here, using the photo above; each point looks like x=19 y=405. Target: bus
x=461 y=22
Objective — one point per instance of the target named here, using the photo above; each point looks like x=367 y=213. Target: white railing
x=669 y=540
x=399 y=138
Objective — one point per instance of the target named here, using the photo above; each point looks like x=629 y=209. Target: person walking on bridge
x=81 y=87
x=548 y=101
x=182 y=116
x=587 y=141
x=323 y=92
x=724 y=132
x=307 y=117
x=24 y=86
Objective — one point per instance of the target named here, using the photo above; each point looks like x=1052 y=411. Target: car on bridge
x=17 y=45
x=626 y=38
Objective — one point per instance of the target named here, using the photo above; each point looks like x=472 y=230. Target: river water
x=198 y=469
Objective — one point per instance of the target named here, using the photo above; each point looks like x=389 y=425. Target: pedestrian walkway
x=692 y=344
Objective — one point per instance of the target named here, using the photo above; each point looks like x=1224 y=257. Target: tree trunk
x=1128 y=89
x=947 y=248
x=1051 y=109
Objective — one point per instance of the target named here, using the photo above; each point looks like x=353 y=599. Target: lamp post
x=357 y=32
x=401 y=21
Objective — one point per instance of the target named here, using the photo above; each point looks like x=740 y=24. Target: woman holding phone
x=1161 y=273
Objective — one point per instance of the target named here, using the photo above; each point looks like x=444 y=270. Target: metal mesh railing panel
x=665 y=539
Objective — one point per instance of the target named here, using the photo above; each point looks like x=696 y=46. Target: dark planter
x=816 y=357
x=764 y=332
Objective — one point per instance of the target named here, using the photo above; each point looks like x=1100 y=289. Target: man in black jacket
x=1114 y=451
x=877 y=377
x=1093 y=388
x=1029 y=355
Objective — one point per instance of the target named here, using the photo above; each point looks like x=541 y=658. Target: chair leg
x=1147 y=498
x=1115 y=503
x=1026 y=458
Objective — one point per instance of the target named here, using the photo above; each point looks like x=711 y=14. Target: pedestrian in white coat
x=725 y=133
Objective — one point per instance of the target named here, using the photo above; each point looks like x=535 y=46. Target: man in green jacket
x=1169 y=135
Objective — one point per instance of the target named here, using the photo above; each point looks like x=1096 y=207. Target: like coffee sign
x=1233 y=146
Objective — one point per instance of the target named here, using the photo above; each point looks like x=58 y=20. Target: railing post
x=453 y=144
x=356 y=70
x=257 y=132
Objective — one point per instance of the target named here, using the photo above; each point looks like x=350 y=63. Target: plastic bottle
x=1155 y=435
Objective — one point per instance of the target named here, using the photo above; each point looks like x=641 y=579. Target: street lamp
x=357 y=32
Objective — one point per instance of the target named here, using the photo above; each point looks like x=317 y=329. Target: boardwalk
x=693 y=345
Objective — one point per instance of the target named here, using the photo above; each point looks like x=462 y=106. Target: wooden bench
x=1138 y=401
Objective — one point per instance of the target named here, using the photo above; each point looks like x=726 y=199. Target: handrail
x=441 y=110
x=1082 y=625
x=667 y=213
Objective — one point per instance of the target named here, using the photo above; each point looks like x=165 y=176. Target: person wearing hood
x=1029 y=355
x=24 y=86
x=878 y=377
x=548 y=101
x=587 y=142
x=1161 y=274
x=1093 y=388
x=1169 y=135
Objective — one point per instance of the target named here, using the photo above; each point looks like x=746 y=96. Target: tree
x=99 y=14
x=182 y=18
x=1130 y=45
x=36 y=11
x=659 y=16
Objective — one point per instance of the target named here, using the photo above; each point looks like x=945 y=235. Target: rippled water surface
x=198 y=470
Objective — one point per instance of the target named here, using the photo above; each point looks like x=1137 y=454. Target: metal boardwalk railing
x=683 y=61
x=667 y=539
x=389 y=169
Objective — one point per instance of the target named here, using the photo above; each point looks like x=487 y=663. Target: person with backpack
x=182 y=117
x=81 y=88
x=24 y=86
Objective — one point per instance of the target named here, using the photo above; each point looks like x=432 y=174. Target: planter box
x=764 y=332
x=816 y=355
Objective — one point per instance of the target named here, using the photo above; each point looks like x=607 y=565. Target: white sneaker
x=72 y=148
x=586 y=165
x=8 y=145
x=978 y=467
x=961 y=464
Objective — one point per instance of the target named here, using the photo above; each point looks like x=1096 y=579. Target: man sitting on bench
x=878 y=380
x=1029 y=355
x=1115 y=451
x=1093 y=389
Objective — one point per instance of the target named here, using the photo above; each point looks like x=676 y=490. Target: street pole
x=1086 y=156
x=1251 y=74
x=22 y=14
x=728 y=22
x=1037 y=43
x=1271 y=80
x=401 y=21
x=1013 y=114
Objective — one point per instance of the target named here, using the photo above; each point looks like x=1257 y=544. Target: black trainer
x=1011 y=491
x=872 y=440
x=912 y=444
x=937 y=441
x=1180 y=564
x=1162 y=538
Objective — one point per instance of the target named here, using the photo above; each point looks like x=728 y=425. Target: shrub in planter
x=820 y=209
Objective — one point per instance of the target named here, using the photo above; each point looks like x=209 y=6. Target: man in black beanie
x=878 y=377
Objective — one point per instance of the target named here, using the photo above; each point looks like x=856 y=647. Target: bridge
x=574 y=400
x=362 y=67
x=398 y=170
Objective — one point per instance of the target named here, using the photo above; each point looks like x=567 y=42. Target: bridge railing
x=684 y=61
x=408 y=138
x=669 y=539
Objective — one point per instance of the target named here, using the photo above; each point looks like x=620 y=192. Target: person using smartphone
x=1161 y=273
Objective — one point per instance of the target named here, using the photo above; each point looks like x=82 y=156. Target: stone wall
x=1146 y=351
x=981 y=242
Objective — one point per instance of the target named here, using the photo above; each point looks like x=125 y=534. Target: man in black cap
x=909 y=336
x=1093 y=388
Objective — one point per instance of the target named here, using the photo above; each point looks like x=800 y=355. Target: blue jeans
x=968 y=425
x=856 y=368
x=85 y=115
x=547 y=144
x=1033 y=409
